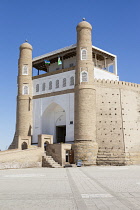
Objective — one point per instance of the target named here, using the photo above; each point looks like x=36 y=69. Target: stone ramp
x=16 y=158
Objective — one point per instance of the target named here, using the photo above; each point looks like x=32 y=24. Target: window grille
x=25 y=70
x=37 y=88
x=64 y=82
x=25 y=90
x=57 y=83
x=43 y=86
x=84 y=76
x=71 y=64
x=50 y=85
x=72 y=80
x=83 y=54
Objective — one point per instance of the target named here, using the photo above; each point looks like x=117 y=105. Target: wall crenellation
x=112 y=83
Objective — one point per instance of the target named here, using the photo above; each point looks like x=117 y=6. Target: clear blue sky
x=50 y=25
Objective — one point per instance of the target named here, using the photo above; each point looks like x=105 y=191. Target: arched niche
x=45 y=145
x=24 y=146
x=54 y=121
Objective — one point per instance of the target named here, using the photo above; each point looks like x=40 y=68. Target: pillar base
x=85 y=151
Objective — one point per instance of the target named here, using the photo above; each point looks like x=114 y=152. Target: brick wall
x=58 y=152
x=21 y=158
x=118 y=122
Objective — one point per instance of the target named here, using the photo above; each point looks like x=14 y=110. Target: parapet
x=117 y=84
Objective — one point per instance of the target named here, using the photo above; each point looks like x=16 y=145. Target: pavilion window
x=71 y=65
x=37 y=88
x=43 y=86
x=57 y=83
x=72 y=80
x=50 y=85
x=64 y=82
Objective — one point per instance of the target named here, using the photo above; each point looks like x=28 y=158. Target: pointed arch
x=54 y=116
x=83 y=54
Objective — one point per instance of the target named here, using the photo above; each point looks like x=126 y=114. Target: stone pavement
x=95 y=187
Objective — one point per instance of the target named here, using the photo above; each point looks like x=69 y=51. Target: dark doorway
x=24 y=146
x=45 y=146
x=60 y=133
x=71 y=156
x=67 y=156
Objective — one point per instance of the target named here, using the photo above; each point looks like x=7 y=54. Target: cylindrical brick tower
x=85 y=146
x=24 y=98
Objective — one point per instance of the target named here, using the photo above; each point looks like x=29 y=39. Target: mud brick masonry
x=74 y=109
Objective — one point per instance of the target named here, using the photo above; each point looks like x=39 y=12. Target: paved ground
x=71 y=188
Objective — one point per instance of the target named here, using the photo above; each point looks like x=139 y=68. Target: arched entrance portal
x=54 y=122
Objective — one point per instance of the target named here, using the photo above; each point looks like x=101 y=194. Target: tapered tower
x=85 y=146
x=23 y=132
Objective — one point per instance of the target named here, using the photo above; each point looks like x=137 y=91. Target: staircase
x=48 y=161
x=105 y=157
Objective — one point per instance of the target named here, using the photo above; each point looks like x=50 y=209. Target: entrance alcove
x=24 y=145
x=45 y=145
x=54 y=122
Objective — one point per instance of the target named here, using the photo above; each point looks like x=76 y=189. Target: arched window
x=72 y=80
x=50 y=85
x=24 y=146
x=57 y=83
x=84 y=76
x=71 y=64
x=37 y=88
x=25 y=70
x=43 y=86
x=83 y=54
x=64 y=82
x=25 y=90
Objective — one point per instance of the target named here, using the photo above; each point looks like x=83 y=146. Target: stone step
x=110 y=150
x=111 y=153
x=113 y=163
x=110 y=156
x=110 y=159
x=48 y=161
x=52 y=161
x=51 y=166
